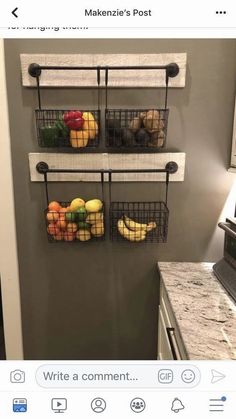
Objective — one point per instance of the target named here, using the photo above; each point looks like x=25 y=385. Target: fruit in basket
x=128 y=137
x=70 y=216
x=59 y=236
x=69 y=236
x=73 y=120
x=83 y=225
x=97 y=229
x=54 y=206
x=76 y=204
x=133 y=236
x=92 y=129
x=79 y=139
x=52 y=216
x=94 y=217
x=62 y=214
x=61 y=224
x=135 y=124
x=142 y=137
x=71 y=227
x=83 y=235
x=53 y=229
x=151 y=120
x=134 y=226
x=81 y=214
x=94 y=205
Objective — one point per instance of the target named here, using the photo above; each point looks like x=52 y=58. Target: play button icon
x=59 y=405
x=216 y=376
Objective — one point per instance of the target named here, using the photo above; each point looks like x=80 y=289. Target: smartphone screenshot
x=118 y=209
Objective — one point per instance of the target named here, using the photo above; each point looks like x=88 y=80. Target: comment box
x=118 y=376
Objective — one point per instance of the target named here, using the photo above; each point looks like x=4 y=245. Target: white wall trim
x=8 y=246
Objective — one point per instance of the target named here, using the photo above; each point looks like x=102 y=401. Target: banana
x=134 y=226
x=133 y=236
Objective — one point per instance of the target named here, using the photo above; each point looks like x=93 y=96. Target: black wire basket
x=136 y=128
x=80 y=225
x=77 y=129
x=139 y=222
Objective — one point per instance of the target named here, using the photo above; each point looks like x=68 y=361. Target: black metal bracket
x=34 y=70
x=172 y=167
x=42 y=167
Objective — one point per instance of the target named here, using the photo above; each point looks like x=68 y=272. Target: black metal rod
x=46 y=186
x=38 y=90
x=107 y=171
x=132 y=67
x=171 y=167
x=98 y=82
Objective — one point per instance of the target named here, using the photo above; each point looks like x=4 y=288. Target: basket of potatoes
x=136 y=128
x=75 y=221
x=72 y=128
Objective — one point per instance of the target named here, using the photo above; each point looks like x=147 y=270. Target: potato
x=142 y=115
x=128 y=138
x=157 y=139
x=135 y=124
x=152 y=120
x=142 y=137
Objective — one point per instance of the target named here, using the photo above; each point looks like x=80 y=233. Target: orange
x=61 y=224
x=62 y=214
x=69 y=237
x=52 y=216
x=53 y=229
x=54 y=206
x=59 y=236
x=71 y=227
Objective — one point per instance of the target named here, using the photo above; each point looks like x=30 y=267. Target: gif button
x=165 y=376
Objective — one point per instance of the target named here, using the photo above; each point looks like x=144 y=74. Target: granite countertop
x=205 y=314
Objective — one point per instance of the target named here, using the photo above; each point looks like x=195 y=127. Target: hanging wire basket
x=64 y=224
x=136 y=128
x=138 y=222
x=77 y=129
x=55 y=129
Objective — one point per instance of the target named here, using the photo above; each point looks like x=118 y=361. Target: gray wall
x=100 y=301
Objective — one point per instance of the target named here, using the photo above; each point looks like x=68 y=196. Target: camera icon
x=17 y=376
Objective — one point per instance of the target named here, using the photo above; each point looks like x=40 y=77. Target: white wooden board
x=131 y=78
x=107 y=161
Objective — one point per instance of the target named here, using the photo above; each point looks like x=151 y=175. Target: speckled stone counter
x=205 y=314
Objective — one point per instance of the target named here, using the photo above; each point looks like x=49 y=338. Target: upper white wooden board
x=130 y=78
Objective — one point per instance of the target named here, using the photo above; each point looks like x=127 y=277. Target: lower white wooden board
x=107 y=161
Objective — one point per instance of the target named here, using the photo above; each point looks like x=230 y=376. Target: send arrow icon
x=216 y=376
x=14 y=12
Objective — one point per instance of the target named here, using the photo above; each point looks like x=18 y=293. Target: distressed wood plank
x=141 y=78
x=107 y=161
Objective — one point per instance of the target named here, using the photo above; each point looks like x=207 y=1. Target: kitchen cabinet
x=170 y=344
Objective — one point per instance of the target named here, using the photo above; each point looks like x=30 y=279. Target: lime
x=81 y=214
x=83 y=224
x=70 y=216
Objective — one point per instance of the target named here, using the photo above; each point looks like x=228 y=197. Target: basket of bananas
x=138 y=222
